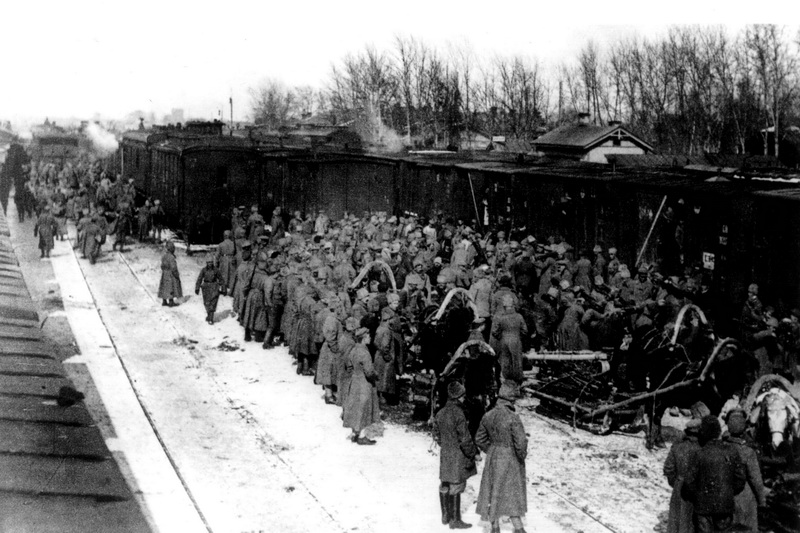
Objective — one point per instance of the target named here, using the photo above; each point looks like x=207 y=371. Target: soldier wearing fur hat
x=714 y=477
x=501 y=436
x=753 y=496
x=210 y=281
x=457 y=456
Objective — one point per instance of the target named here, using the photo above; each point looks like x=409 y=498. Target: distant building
x=591 y=143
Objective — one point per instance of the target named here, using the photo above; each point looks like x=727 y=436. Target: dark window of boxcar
x=222 y=176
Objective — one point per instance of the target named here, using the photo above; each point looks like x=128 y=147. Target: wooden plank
x=32 y=366
x=54 y=513
x=16 y=290
x=15 y=309
x=21 y=322
x=62 y=475
x=52 y=439
x=32 y=385
x=8 y=331
x=30 y=348
x=35 y=409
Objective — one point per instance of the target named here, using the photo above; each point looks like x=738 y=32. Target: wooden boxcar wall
x=135 y=162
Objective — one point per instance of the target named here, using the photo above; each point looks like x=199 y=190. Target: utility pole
x=231 y=102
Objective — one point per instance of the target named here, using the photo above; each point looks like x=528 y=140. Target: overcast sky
x=78 y=58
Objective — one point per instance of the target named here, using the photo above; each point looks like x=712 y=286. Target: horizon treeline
x=693 y=90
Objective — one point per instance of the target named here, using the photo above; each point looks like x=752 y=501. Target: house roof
x=584 y=136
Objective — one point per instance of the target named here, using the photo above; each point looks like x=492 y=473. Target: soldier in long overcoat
x=503 y=486
x=46 y=227
x=458 y=455
x=675 y=469
x=753 y=496
x=92 y=238
x=170 y=286
x=226 y=260
x=304 y=330
x=254 y=319
x=344 y=373
x=388 y=350
x=361 y=401
x=327 y=364
x=244 y=271
x=210 y=282
x=508 y=329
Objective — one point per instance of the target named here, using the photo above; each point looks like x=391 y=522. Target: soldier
x=122 y=228
x=675 y=469
x=327 y=364
x=157 y=219
x=254 y=318
x=144 y=220
x=211 y=282
x=600 y=265
x=715 y=475
x=244 y=272
x=361 y=401
x=501 y=436
x=255 y=224
x=508 y=330
x=92 y=239
x=388 y=355
x=46 y=227
x=278 y=228
x=613 y=263
x=457 y=457
x=170 y=286
x=226 y=259
x=747 y=502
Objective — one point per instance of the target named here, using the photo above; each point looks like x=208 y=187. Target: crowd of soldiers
x=82 y=192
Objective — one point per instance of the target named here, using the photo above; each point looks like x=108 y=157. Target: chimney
x=584 y=118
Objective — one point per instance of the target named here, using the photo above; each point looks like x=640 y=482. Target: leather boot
x=455 y=516
x=444 y=503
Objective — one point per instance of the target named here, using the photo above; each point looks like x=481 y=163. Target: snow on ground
x=259 y=450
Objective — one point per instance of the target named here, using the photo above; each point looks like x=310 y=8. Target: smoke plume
x=103 y=141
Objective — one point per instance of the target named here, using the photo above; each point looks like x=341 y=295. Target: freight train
x=739 y=226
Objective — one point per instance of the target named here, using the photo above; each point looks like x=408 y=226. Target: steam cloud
x=104 y=141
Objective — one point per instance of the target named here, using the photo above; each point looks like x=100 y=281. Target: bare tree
x=272 y=104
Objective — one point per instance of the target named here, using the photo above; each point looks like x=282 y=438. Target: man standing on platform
x=211 y=282
x=458 y=455
x=226 y=259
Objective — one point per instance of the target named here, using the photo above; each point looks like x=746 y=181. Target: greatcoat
x=170 y=285
x=502 y=437
x=361 y=401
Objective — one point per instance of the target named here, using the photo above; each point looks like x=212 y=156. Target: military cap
x=455 y=390
x=247 y=244
x=597 y=249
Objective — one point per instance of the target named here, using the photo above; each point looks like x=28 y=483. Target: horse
x=774 y=410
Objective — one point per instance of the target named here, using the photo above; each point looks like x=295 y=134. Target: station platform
x=58 y=474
